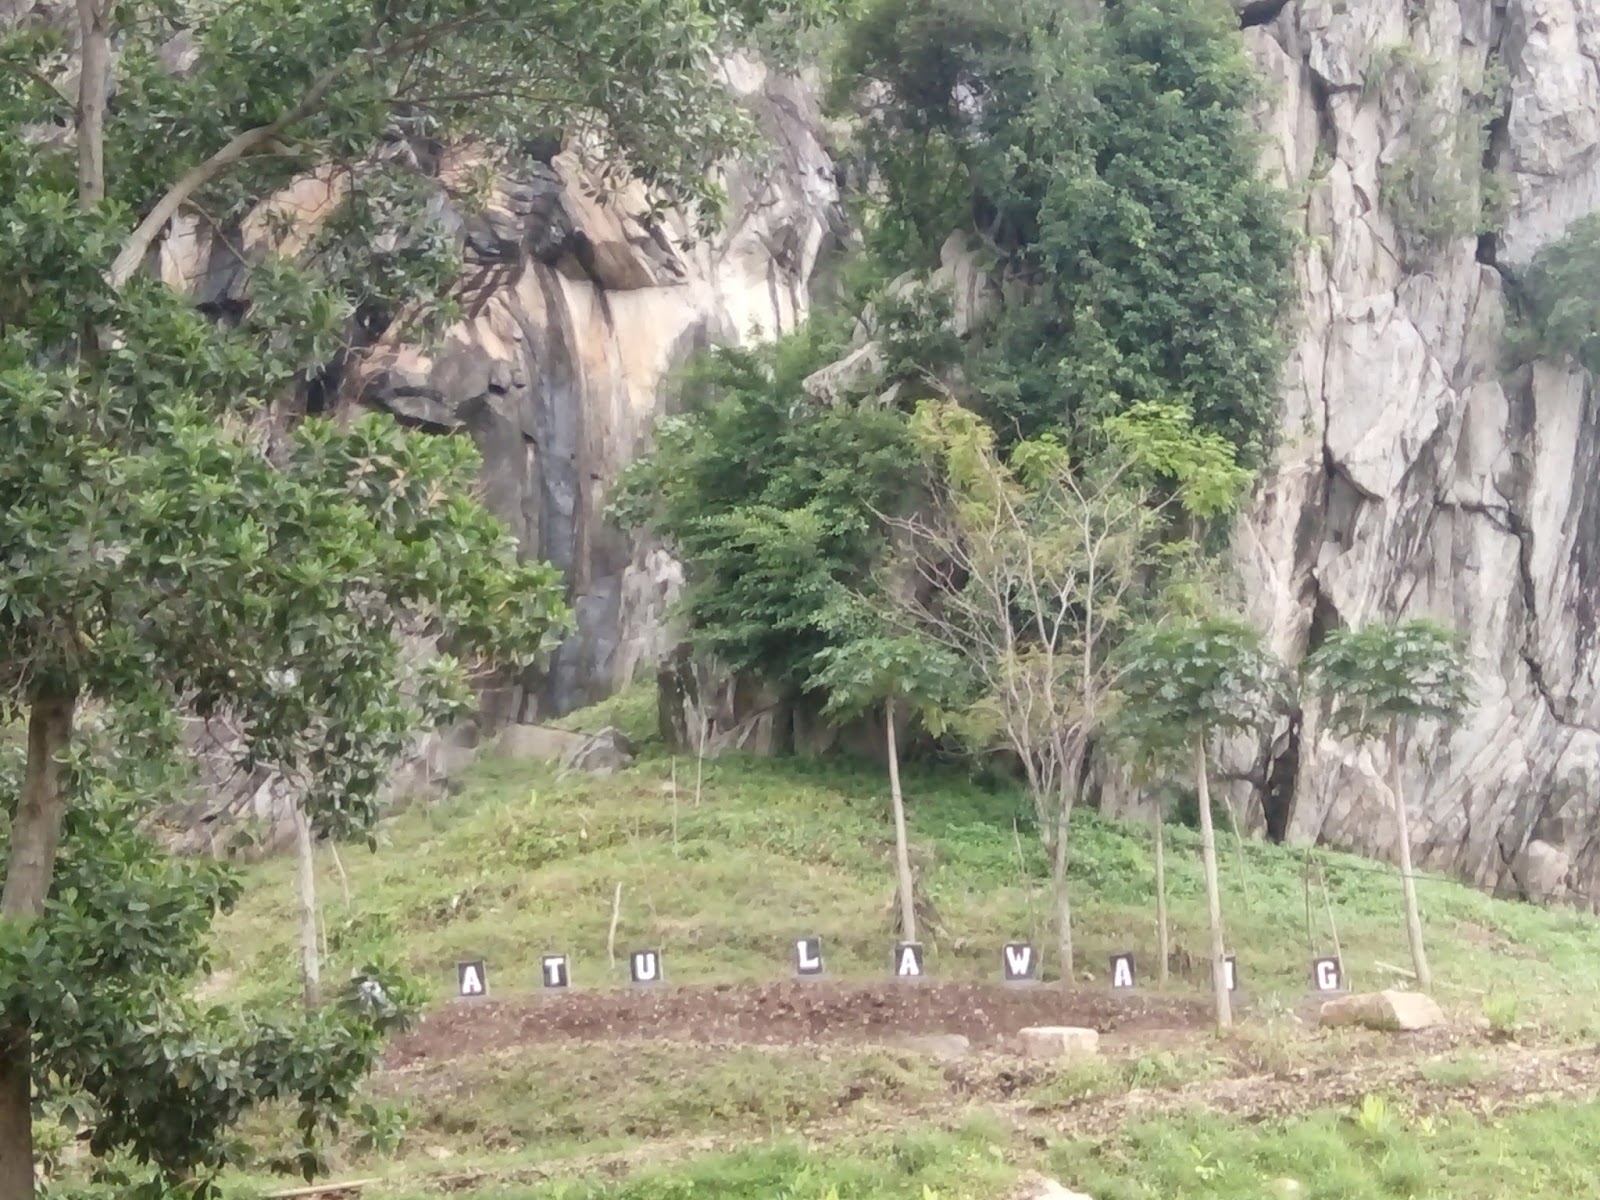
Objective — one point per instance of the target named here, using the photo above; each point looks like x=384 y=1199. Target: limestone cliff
x=579 y=305
x=1417 y=474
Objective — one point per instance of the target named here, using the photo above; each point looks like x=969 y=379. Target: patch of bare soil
x=789 y=1013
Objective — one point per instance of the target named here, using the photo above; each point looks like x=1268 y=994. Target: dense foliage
x=770 y=497
x=1110 y=166
x=103 y=979
x=1560 y=298
x=1106 y=166
x=175 y=541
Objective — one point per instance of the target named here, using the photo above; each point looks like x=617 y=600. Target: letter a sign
x=908 y=960
x=472 y=979
x=1122 y=972
x=1017 y=962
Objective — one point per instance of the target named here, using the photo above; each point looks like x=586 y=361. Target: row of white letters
x=1018 y=964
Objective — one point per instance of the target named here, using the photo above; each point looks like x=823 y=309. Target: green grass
x=522 y=862
x=1376 y=1151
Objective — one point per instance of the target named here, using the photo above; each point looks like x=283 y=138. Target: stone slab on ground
x=1033 y=1186
x=1391 y=1011
x=1059 y=1041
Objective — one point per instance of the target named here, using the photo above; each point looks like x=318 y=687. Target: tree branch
x=138 y=245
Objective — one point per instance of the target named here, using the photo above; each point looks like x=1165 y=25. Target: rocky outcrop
x=1417 y=474
x=579 y=304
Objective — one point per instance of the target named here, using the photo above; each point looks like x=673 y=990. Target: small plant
x=381 y=1128
x=1206 y=1165
x=1503 y=1013
x=1375 y=1117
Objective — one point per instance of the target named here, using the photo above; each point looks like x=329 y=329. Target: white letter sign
x=1230 y=973
x=554 y=969
x=808 y=956
x=1121 y=972
x=1327 y=974
x=472 y=978
x=645 y=966
x=908 y=960
x=1016 y=962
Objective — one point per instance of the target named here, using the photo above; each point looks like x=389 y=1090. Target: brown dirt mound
x=788 y=1012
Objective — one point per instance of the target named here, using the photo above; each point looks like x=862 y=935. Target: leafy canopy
x=1194 y=677
x=1561 y=298
x=871 y=662
x=1110 y=165
x=768 y=497
x=1380 y=675
x=104 y=978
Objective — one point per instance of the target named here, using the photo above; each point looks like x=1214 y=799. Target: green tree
x=1183 y=683
x=104 y=976
x=164 y=547
x=1112 y=168
x=1560 y=299
x=1376 y=679
x=768 y=497
x=870 y=667
x=1030 y=570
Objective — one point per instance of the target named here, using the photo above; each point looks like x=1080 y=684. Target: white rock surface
x=1038 y=1187
x=1392 y=1011
x=1414 y=476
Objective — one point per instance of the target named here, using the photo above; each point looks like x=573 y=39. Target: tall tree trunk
x=94 y=81
x=902 y=847
x=310 y=957
x=1062 y=901
x=35 y=833
x=1208 y=850
x=16 y=1114
x=41 y=807
x=1408 y=881
x=1163 y=942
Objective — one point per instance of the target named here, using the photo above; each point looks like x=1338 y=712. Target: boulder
x=1392 y=1011
x=1034 y=1186
x=1542 y=871
x=1059 y=1041
x=602 y=753
x=538 y=741
x=839 y=381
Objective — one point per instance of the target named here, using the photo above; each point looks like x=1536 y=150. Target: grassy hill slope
x=522 y=862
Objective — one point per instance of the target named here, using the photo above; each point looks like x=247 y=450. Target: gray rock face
x=1416 y=475
x=579 y=306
